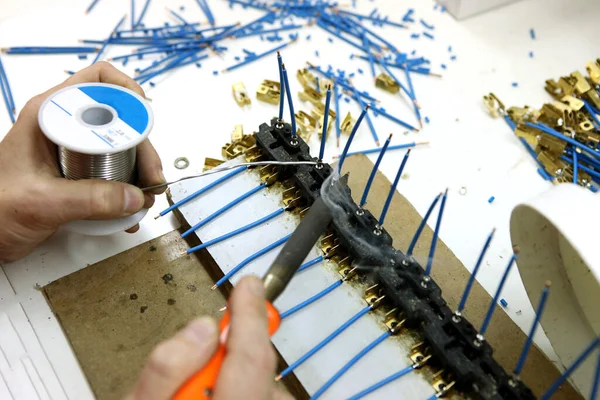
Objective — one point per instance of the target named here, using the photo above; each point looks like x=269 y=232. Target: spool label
x=95 y=118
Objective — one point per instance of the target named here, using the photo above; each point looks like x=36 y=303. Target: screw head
x=360 y=212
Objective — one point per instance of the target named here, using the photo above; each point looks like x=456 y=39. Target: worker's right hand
x=248 y=368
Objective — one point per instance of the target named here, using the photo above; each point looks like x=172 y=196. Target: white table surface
x=195 y=114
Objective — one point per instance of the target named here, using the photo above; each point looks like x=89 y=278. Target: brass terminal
x=307 y=79
x=210 y=163
x=307 y=124
x=347 y=124
x=393 y=322
x=593 y=69
x=269 y=92
x=311 y=95
x=237 y=134
x=243 y=146
x=385 y=82
x=241 y=95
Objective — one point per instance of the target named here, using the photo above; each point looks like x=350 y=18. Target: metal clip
x=593 y=97
x=243 y=146
x=593 y=70
x=254 y=154
x=311 y=95
x=523 y=114
x=269 y=91
x=494 y=106
x=240 y=94
x=554 y=89
x=291 y=197
x=210 y=163
x=307 y=79
x=393 y=322
x=417 y=355
x=573 y=102
x=330 y=245
x=385 y=82
x=237 y=134
x=553 y=165
x=552 y=145
x=347 y=124
x=371 y=294
x=531 y=135
x=580 y=83
x=306 y=123
x=441 y=385
x=269 y=174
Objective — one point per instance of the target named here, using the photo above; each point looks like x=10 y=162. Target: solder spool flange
x=97 y=127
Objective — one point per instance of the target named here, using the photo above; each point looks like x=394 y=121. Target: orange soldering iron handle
x=201 y=385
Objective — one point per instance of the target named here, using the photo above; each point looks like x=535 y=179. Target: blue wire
x=325 y=341
x=252 y=59
x=237 y=231
x=415 y=238
x=436 y=232
x=354 y=129
x=105 y=43
x=325 y=120
x=412 y=91
x=385 y=67
x=388 y=201
x=288 y=93
x=561 y=379
x=310 y=263
x=575 y=167
x=363 y=200
x=490 y=312
x=371 y=126
x=4 y=76
x=538 y=314
x=433 y=397
x=144 y=9
x=378 y=149
x=338 y=131
x=512 y=125
x=596 y=384
x=253 y=257
x=383 y=113
x=203 y=190
x=6 y=100
x=223 y=209
x=552 y=132
x=368 y=48
x=465 y=296
x=311 y=299
x=349 y=364
x=132 y=14
x=382 y=383
x=91 y=6
x=281 y=87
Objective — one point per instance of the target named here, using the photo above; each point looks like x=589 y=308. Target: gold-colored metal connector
x=347 y=124
x=241 y=95
x=307 y=124
x=307 y=79
x=210 y=163
x=593 y=70
x=494 y=106
x=385 y=82
x=237 y=134
x=269 y=92
x=311 y=95
x=243 y=146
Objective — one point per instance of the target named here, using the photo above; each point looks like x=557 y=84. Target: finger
x=150 y=171
x=93 y=199
x=148 y=200
x=249 y=366
x=279 y=394
x=133 y=229
x=171 y=363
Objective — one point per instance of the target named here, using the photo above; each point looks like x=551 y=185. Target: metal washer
x=181 y=163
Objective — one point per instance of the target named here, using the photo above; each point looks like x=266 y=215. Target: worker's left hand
x=35 y=200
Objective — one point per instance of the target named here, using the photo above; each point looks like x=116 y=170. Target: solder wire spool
x=97 y=127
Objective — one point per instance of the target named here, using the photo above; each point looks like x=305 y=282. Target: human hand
x=35 y=200
x=249 y=366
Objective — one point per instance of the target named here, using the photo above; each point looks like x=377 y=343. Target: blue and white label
x=61 y=118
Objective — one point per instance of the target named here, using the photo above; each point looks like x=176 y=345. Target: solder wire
x=436 y=232
x=561 y=379
x=324 y=342
x=490 y=312
x=223 y=209
x=118 y=166
x=236 y=232
x=248 y=260
x=312 y=299
x=202 y=191
x=349 y=364
x=363 y=200
x=383 y=382
x=538 y=314
x=465 y=296
x=415 y=238
x=388 y=201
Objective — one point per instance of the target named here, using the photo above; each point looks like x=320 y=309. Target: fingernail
x=201 y=330
x=256 y=286
x=134 y=200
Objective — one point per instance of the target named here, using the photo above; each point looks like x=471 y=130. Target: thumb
x=95 y=199
x=172 y=362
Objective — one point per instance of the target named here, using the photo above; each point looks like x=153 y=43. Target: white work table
x=195 y=114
